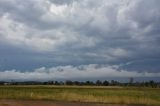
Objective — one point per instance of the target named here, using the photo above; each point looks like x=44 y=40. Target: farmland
x=88 y=94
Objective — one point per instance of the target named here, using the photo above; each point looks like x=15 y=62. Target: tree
x=89 y=83
x=56 y=83
x=68 y=82
x=105 y=83
x=98 y=82
x=131 y=80
x=152 y=83
x=113 y=83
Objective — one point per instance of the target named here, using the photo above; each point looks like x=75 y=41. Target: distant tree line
x=151 y=83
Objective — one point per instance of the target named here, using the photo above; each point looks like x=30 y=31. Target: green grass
x=117 y=95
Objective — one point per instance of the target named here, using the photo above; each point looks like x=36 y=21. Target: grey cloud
x=84 y=31
x=149 y=65
x=61 y=2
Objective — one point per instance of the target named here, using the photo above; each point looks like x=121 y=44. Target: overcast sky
x=83 y=39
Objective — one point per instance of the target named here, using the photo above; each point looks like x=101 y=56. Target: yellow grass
x=115 y=95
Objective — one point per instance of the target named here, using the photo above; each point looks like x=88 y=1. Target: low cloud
x=92 y=71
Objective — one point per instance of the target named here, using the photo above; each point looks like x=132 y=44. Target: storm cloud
x=54 y=33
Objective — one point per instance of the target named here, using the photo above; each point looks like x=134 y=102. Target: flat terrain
x=83 y=96
x=52 y=103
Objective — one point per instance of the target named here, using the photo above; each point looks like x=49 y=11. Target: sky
x=79 y=39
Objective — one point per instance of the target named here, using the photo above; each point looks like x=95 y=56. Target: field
x=108 y=95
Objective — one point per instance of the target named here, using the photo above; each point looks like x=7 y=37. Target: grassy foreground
x=117 y=95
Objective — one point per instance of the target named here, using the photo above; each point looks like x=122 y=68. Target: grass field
x=115 y=95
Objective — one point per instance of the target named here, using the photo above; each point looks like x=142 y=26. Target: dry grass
x=106 y=99
x=144 y=96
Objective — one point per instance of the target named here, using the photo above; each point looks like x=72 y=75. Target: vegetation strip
x=115 y=95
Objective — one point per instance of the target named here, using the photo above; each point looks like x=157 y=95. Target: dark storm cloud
x=51 y=33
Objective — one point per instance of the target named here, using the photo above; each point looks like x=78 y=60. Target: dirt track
x=49 y=103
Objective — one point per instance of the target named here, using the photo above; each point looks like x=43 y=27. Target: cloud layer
x=52 y=33
x=92 y=71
